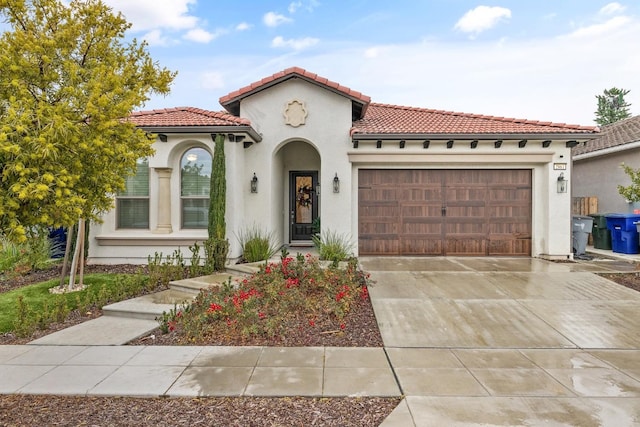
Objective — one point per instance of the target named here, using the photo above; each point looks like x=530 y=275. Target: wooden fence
x=584 y=206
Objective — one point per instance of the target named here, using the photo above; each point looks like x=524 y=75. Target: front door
x=303 y=204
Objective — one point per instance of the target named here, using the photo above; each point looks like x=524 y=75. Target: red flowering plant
x=294 y=296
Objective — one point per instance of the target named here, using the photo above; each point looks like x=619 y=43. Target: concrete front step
x=105 y=330
x=194 y=285
x=149 y=306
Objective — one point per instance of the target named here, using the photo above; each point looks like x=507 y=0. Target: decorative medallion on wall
x=295 y=114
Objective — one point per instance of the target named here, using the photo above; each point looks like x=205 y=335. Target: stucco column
x=164 y=201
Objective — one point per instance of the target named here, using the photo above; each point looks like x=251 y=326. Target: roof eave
x=251 y=132
x=473 y=136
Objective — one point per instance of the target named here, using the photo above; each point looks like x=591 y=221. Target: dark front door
x=303 y=204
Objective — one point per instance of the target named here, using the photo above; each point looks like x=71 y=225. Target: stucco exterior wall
x=600 y=176
x=320 y=144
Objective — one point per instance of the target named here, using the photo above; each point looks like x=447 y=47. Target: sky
x=530 y=59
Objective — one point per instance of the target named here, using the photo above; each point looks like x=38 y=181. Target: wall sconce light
x=562 y=183
x=254 y=183
x=336 y=184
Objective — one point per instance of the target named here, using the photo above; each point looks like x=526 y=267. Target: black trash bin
x=601 y=234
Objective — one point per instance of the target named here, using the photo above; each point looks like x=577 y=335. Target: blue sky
x=533 y=59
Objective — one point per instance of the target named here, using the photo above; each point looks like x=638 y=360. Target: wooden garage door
x=444 y=212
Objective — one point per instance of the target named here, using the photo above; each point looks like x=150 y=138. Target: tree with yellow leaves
x=68 y=82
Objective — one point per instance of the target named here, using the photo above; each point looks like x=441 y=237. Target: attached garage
x=474 y=212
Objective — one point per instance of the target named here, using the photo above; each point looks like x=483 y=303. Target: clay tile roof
x=616 y=134
x=230 y=99
x=394 y=119
x=185 y=116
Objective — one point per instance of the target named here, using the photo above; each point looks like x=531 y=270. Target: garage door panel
x=421 y=245
x=445 y=212
x=509 y=246
x=467 y=247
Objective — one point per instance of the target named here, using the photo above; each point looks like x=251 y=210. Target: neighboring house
x=596 y=165
x=396 y=180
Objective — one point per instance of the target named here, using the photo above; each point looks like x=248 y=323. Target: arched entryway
x=299 y=171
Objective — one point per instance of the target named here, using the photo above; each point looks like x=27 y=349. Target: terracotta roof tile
x=185 y=116
x=289 y=73
x=392 y=119
x=616 y=134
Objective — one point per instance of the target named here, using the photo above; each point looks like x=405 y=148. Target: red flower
x=364 y=292
x=312 y=323
x=262 y=315
x=214 y=307
x=342 y=326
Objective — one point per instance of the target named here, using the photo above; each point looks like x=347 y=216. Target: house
x=396 y=180
x=596 y=165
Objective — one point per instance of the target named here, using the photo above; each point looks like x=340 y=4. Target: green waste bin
x=601 y=234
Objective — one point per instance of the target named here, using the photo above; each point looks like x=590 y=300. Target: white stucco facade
x=305 y=127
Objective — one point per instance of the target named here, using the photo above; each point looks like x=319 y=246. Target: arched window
x=132 y=204
x=195 y=177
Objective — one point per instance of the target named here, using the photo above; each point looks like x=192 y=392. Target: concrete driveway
x=508 y=341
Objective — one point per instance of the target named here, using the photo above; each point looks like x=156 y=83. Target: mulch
x=25 y=410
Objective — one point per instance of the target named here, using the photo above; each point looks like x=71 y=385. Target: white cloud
x=308 y=5
x=199 y=35
x=612 y=9
x=295 y=44
x=147 y=15
x=243 y=26
x=212 y=80
x=372 y=52
x=156 y=38
x=272 y=19
x=293 y=6
x=482 y=18
x=602 y=29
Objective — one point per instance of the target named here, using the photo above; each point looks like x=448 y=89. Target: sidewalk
x=196 y=371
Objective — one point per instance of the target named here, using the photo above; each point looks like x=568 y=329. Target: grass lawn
x=39 y=301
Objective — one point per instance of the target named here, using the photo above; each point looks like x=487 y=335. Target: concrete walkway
x=468 y=341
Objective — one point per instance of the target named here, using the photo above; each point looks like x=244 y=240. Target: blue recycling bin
x=624 y=233
x=58 y=242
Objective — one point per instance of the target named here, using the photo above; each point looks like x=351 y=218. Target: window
x=195 y=177
x=132 y=204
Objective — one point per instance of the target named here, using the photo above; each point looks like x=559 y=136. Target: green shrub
x=21 y=258
x=257 y=244
x=216 y=251
x=332 y=246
